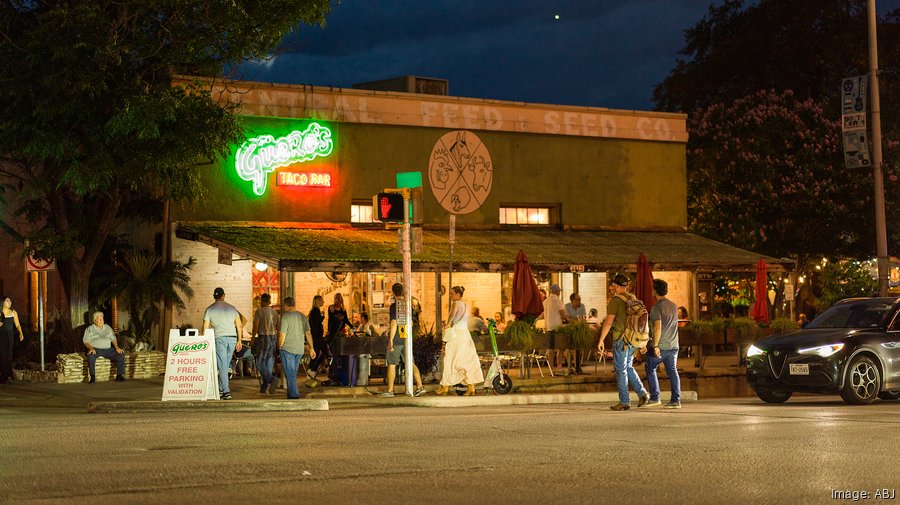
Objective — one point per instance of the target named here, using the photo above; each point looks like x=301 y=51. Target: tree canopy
x=93 y=130
x=806 y=46
x=760 y=82
x=766 y=172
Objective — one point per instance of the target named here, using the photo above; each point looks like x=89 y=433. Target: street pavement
x=714 y=451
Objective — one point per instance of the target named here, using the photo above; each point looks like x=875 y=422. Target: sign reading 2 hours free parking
x=191 y=367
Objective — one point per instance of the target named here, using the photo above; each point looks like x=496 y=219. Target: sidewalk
x=717 y=379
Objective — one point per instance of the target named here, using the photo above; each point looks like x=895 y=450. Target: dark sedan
x=853 y=349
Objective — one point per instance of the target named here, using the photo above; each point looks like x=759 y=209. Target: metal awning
x=327 y=248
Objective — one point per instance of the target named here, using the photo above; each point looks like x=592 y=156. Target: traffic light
x=389 y=207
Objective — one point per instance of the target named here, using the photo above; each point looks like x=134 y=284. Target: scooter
x=495 y=378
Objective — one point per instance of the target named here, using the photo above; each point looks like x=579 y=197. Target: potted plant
x=427 y=351
x=579 y=334
x=783 y=325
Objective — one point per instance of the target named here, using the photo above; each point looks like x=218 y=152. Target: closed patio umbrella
x=526 y=299
x=760 y=310
x=643 y=285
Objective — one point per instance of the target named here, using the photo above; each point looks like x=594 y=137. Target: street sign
x=33 y=264
x=854 y=92
x=856 y=149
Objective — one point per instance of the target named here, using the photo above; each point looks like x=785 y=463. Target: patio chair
x=535 y=358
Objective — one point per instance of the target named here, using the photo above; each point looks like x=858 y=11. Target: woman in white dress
x=461 y=364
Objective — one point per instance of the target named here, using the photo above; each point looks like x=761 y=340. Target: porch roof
x=305 y=247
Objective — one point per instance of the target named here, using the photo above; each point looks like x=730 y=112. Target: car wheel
x=774 y=396
x=889 y=395
x=862 y=383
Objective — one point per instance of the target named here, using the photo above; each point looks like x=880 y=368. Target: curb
x=208 y=406
x=454 y=401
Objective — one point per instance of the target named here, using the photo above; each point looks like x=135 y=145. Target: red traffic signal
x=389 y=207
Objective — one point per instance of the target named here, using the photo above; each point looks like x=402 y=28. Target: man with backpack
x=626 y=319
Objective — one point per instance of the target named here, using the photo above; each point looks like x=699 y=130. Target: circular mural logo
x=460 y=172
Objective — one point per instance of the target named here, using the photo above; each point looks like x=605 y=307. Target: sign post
x=191 y=366
x=40 y=266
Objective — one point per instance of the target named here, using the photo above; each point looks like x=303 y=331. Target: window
x=361 y=213
x=525 y=215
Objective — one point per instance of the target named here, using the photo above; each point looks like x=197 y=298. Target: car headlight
x=754 y=351
x=823 y=351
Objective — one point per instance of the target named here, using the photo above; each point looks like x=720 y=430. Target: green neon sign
x=260 y=156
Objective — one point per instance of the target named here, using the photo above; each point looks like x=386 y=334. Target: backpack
x=637 y=331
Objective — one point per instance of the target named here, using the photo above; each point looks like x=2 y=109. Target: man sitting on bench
x=101 y=341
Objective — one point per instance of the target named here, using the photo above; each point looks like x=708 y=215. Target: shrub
x=784 y=325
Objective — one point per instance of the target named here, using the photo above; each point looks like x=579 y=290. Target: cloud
x=599 y=53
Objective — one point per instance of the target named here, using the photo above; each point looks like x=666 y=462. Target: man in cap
x=623 y=354
x=554 y=317
x=225 y=320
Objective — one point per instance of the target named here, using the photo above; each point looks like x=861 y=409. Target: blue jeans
x=224 y=350
x=623 y=358
x=669 y=357
x=265 y=357
x=291 y=363
x=110 y=354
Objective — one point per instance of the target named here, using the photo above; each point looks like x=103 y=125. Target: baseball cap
x=621 y=280
x=218 y=292
x=554 y=288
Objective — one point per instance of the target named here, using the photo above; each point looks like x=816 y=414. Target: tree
x=761 y=84
x=766 y=173
x=93 y=131
x=139 y=280
x=806 y=46
x=845 y=279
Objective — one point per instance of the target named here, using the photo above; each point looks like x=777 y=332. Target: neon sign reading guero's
x=259 y=156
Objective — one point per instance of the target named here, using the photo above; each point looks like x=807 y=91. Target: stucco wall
x=598 y=181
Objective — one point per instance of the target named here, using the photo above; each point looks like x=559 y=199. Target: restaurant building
x=581 y=190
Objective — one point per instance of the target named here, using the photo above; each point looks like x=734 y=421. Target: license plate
x=802 y=369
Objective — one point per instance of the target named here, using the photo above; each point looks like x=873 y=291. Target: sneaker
x=673 y=405
x=226 y=396
x=93 y=380
x=263 y=387
x=387 y=394
x=120 y=378
x=620 y=406
x=420 y=392
x=311 y=383
x=273 y=386
x=644 y=399
x=653 y=403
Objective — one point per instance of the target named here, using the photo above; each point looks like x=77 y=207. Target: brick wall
x=206 y=276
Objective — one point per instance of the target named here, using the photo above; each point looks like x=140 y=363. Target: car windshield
x=862 y=314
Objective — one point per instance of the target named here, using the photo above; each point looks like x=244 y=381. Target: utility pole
x=880 y=221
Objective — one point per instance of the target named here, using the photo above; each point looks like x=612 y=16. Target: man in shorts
x=396 y=343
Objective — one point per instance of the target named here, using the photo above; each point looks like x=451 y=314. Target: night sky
x=602 y=53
